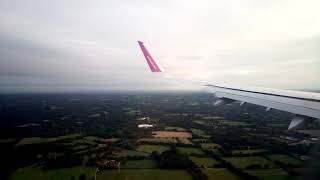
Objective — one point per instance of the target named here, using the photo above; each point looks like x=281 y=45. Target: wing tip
x=154 y=67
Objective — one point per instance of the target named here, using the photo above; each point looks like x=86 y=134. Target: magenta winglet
x=152 y=64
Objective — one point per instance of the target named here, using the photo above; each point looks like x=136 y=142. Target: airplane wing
x=154 y=67
x=305 y=105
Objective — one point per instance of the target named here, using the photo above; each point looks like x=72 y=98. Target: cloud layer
x=91 y=45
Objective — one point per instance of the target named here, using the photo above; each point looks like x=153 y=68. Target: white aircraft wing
x=305 y=105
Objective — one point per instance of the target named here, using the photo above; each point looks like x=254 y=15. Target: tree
x=155 y=155
x=254 y=166
x=173 y=160
x=82 y=177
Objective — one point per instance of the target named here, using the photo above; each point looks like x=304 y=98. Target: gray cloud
x=81 y=45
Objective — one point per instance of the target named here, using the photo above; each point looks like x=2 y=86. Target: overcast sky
x=74 y=45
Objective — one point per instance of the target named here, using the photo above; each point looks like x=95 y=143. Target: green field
x=171 y=128
x=204 y=161
x=208 y=146
x=267 y=174
x=248 y=151
x=243 y=162
x=200 y=133
x=233 y=123
x=184 y=141
x=285 y=159
x=77 y=142
x=39 y=140
x=35 y=173
x=94 y=138
x=172 y=115
x=200 y=122
x=7 y=140
x=219 y=173
x=212 y=117
x=194 y=104
x=126 y=153
x=144 y=174
x=151 y=148
x=112 y=140
x=86 y=151
x=139 y=164
x=215 y=151
x=190 y=150
x=130 y=111
x=200 y=140
x=158 y=140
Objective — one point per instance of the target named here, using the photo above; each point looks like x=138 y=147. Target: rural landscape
x=149 y=136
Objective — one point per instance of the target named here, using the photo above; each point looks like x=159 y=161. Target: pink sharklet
x=152 y=64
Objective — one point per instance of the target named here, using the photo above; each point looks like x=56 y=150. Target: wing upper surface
x=300 y=103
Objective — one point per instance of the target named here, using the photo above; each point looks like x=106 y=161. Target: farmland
x=111 y=140
x=36 y=173
x=139 y=164
x=166 y=134
x=244 y=162
x=151 y=148
x=248 y=151
x=203 y=161
x=39 y=140
x=233 y=123
x=158 y=140
x=184 y=141
x=200 y=140
x=129 y=153
x=285 y=159
x=71 y=140
x=171 y=128
x=209 y=146
x=202 y=122
x=200 y=133
x=144 y=174
x=190 y=150
x=274 y=174
x=220 y=173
